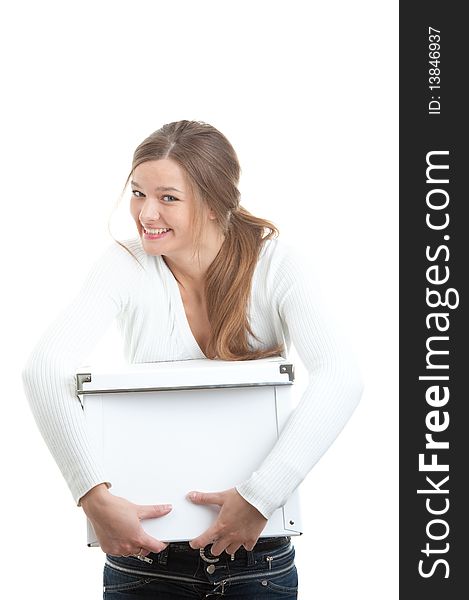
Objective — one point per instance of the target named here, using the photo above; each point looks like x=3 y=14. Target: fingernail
x=167 y=506
x=191 y=495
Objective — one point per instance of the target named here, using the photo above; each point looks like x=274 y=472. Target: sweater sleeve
x=49 y=374
x=333 y=391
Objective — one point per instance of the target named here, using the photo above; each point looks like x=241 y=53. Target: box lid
x=184 y=374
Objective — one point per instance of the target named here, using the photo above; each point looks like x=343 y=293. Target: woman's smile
x=155 y=234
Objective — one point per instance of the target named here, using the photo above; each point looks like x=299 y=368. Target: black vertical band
x=434 y=268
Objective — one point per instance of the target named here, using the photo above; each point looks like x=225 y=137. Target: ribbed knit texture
x=285 y=307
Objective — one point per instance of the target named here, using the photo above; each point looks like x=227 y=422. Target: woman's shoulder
x=126 y=253
x=271 y=263
x=282 y=263
x=275 y=252
x=121 y=263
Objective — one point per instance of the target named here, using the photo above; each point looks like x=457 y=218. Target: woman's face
x=163 y=208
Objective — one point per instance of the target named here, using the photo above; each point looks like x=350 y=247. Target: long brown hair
x=213 y=170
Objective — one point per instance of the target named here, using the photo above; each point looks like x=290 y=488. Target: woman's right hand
x=116 y=522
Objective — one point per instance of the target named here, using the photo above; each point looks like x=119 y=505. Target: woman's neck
x=190 y=268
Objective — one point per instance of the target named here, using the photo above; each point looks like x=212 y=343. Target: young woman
x=204 y=278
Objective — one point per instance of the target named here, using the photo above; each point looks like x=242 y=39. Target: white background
x=307 y=94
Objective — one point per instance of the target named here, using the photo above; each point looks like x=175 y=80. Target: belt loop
x=163 y=556
x=250 y=558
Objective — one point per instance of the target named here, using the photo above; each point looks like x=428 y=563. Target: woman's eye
x=137 y=194
x=169 y=198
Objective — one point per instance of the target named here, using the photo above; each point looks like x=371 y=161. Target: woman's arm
x=49 y=380
x=294 y=309
x=332 y=393
x=49 y=375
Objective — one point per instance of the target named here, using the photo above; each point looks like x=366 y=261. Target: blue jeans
x=180 y=572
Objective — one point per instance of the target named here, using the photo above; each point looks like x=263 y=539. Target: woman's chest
x=162 y=323
x=195 y=311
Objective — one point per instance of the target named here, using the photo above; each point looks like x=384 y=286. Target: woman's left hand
x=238 y=523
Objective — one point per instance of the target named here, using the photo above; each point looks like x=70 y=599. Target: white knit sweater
x=284 y=307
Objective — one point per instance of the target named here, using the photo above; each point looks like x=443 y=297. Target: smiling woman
x=168 y=220
x=210 y=242
x=203 y=279
x=166 y=226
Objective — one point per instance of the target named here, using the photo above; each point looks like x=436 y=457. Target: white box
x=164 y=429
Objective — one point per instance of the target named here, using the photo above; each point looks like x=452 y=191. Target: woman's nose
x=149 y=213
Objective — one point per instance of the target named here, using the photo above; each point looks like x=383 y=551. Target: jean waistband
x=262 y=545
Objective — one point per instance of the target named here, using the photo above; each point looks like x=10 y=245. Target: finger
x=203 y=540
x=232 y=548
x=206 y=497
x=249 y=545
x=143 y=551
x=152 y=511
x=218 y=547
x=151 y=544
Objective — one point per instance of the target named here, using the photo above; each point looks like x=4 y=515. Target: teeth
x=156 y=231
